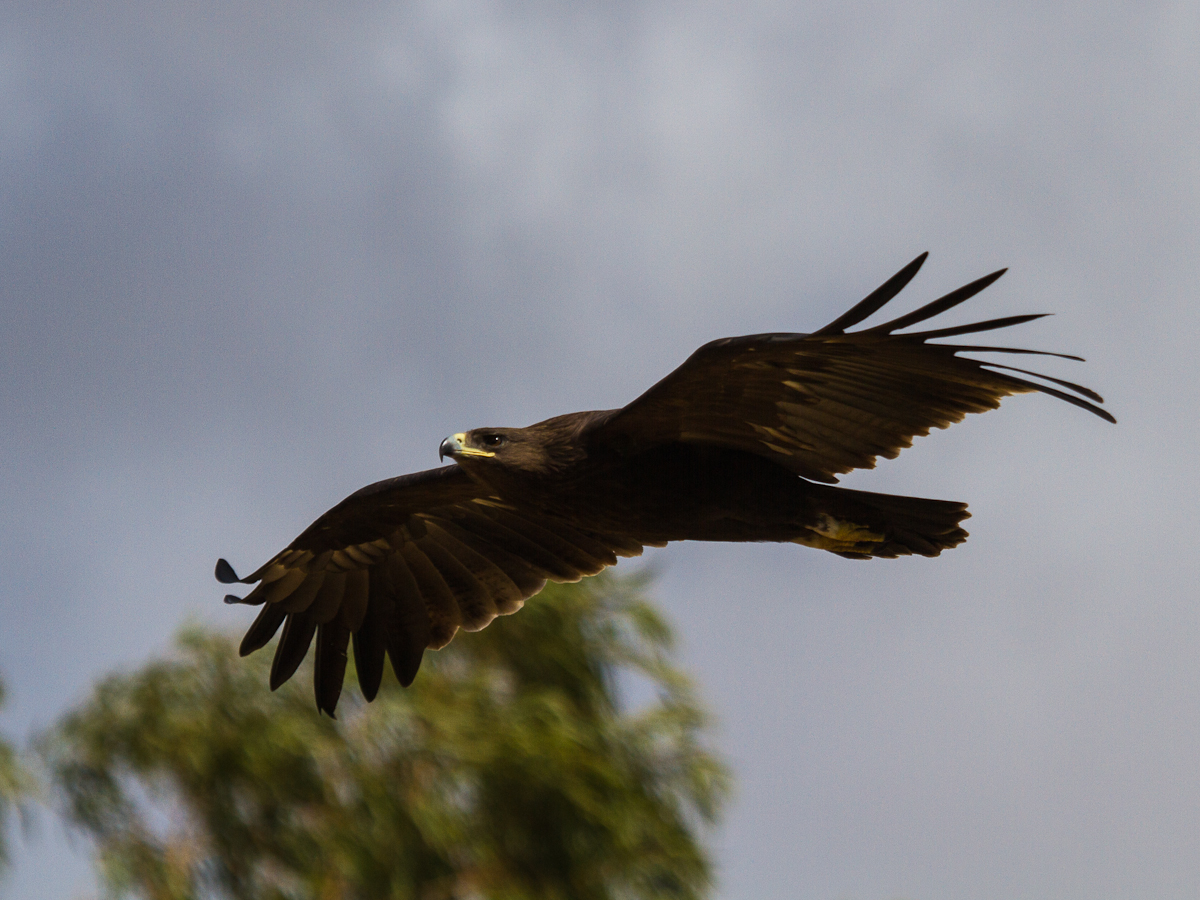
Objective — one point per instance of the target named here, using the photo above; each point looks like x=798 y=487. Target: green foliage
x=16 y=786
x=510 y=770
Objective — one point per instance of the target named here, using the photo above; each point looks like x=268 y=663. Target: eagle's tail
x=861 y=525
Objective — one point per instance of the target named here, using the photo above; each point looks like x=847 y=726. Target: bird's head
x=491 y=454
x=494 y=444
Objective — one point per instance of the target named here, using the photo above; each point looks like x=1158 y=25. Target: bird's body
x=743 y=442
x=691 y=491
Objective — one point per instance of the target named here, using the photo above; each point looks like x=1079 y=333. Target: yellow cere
x=464 y=450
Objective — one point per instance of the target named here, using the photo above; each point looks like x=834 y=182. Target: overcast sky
x=256 y=255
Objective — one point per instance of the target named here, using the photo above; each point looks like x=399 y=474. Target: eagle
x=743 y=442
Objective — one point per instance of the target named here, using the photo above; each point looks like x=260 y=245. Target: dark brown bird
x=740 y=443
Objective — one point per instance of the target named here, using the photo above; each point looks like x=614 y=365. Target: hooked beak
x=451 y=446
x=455 y=446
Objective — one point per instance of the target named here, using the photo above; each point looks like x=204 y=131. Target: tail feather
x=863 y=525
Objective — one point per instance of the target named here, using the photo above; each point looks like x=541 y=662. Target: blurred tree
x=16 y=785
x=510 y=770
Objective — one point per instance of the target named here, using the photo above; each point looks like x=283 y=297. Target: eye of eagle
x=491 y=441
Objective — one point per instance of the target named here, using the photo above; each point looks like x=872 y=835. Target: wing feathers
x=301 y=598
x=503 y=593
x=474 y=601
x=826 y=403
x=578 y=554
x=325 y=604
x=1070 y=385
x=940 y=305
x=225 y=573
x=456 y=566
x=967 y=348
x=973 y=328
x=1069 y=398
x=875 y=300
x=262 y=629
x=445 y=617
x=408 y=628
x=528 y=578
x=356 y=599
x=370 y=639
x=329 y=670
x=298 y=631
x=524 y=546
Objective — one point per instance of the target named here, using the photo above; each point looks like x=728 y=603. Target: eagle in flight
x=742 y=442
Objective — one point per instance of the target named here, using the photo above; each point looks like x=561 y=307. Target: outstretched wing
x=400 y=566
x=825 y=403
